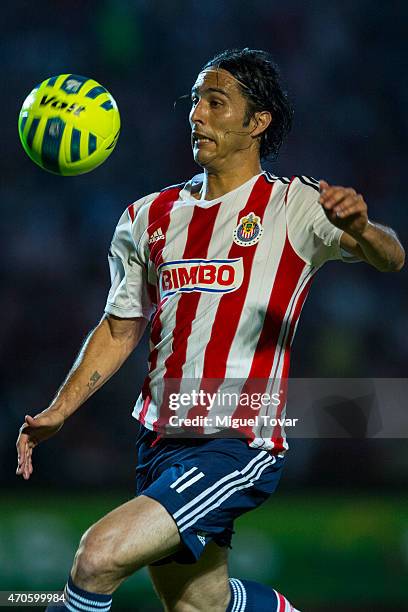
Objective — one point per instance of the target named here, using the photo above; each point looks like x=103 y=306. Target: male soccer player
x=222 y=265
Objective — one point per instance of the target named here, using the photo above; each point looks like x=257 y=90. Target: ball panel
x=92 y=143
x=111 y=143
x=27 y=127
x=73 y=84
x=32 y=132
x=22 y=122
x=95 y=92
x=51 y=144
x=31 y=128
x=51 y=81
x=75 y=145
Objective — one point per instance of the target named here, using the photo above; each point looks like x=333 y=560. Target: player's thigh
x=133 y=535
x=198 y=586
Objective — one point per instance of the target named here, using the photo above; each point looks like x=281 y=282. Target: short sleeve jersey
x=223 y=282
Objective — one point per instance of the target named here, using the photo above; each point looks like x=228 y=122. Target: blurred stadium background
x=335 y=537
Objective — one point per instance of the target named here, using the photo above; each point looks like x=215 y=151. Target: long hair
x=260 y=83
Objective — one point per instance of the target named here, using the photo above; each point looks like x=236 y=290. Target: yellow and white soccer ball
x=69 y=124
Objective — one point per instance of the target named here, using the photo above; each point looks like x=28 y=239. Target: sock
x=78 y=600
x=249 y=596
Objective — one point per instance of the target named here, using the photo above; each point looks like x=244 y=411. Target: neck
x=218 y=183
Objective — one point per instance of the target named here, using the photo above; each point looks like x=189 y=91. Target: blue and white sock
x=78 y=600
x=249 y=596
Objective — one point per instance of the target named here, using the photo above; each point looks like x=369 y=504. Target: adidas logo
x=202 y=539
x=157 y=235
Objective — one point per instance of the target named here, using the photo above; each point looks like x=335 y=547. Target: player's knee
x=93 y=559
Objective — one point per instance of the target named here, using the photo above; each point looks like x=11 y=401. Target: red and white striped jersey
x=223 y=282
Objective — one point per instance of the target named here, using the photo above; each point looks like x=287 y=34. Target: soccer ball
x=69 y=124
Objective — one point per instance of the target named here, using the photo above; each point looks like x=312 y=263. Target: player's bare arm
x=102 y=354
x=374 y=243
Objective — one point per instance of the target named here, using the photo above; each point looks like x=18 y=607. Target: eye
x=215 y=103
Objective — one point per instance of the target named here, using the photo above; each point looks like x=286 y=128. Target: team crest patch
x=248 y=231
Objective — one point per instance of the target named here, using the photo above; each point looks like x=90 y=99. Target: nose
x=198 y=114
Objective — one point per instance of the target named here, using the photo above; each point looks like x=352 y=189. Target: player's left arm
x=374 y=243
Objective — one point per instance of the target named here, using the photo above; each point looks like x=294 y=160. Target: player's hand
x=33 y=431
x=345 y=208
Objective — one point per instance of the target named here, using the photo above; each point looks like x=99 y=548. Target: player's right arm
x=102 y=354
x=127 y=312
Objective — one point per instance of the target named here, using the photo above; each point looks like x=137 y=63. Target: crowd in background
x=343 y=65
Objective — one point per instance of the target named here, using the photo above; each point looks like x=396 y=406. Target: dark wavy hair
x=260 y=83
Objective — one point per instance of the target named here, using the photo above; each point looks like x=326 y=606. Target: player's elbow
x=393 y=265
x=398 y=263
x=398 y=267
x=125 y=332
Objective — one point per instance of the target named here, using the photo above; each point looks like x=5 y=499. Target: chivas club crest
x=249 y=230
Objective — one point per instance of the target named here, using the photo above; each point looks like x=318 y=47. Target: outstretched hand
x=344 y=207
x=33 y=431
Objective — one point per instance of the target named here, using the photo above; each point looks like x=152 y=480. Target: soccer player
x=221 y=265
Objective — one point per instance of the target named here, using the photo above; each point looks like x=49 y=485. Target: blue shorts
x=205 y=484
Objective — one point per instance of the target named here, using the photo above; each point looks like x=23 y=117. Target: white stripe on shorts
x=190 y=482
x=217 y=484
x=230 y=489
x=176 y=482
x=231 y=485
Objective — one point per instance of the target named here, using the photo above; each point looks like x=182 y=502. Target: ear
x=260 y=122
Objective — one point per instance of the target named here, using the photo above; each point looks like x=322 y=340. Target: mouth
x=198 y=139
